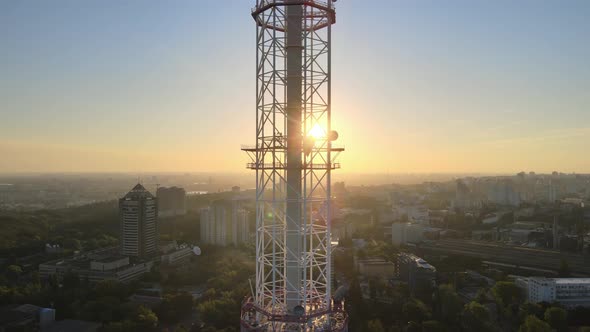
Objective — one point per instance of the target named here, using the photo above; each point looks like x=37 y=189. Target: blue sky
x=419 y=86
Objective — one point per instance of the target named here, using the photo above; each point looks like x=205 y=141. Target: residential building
x=402 y=233
x=171 y=201
x=138 y=212
x=413 y=213
x=503 y=192
x=224 y=223
x=465 y=198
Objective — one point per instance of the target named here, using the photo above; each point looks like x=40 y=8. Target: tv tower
x=293 y=157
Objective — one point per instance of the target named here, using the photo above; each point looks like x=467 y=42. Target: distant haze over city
x=225 y=180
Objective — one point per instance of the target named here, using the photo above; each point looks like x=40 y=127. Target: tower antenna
x=293 y=157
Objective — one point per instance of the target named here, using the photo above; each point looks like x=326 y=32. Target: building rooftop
x=423 y=264
x=137 y=192
x=14 y=314
x=28 y=309
x=559 y=281
x=110 y=258
x=374 y=261
x=572 y=280
x=418 y=261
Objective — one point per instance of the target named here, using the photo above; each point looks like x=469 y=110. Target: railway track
x=519 y=256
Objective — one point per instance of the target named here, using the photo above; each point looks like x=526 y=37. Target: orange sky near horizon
x=417 y=87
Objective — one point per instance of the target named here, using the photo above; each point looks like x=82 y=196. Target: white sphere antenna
x=197 y=251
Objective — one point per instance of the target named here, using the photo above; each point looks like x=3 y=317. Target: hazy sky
x=419 y=86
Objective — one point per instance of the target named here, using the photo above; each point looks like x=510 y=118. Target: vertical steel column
x=294 y=239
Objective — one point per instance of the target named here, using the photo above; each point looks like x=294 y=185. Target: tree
x=111 y=288
x=71 y=280
x=174 y=307
x=475 y=317
x=216 y=312
x=413 y=327
x=433 y=326
x=103 y=309
x=557 y=318
x=375 y=326
x=146 y=319
x=72 y=243
x=482 y=295
x=415 y=310
x=529 y=308
x=507 y=293
x=450 y=305
x=357 y=309
x=123 y=326
x=35 y=278
x=534 y=324
x=13 y=272
x=578 y=316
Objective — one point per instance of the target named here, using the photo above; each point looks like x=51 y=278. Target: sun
x=317 y=132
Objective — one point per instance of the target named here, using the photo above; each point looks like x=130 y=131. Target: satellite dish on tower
x=197 y=251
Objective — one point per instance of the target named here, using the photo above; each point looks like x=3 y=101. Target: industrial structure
x=294 y=156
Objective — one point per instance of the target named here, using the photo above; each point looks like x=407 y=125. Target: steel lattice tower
x=293 y=157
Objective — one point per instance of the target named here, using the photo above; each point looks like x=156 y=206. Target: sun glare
x=317 y=132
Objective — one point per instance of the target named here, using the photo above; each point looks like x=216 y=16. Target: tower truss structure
x=293 y=157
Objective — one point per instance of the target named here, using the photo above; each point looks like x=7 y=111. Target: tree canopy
x=534 y=324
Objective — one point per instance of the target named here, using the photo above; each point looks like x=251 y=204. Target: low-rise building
x=178 y=255
x=25 y=317
x=376 y=268
x=420 y=276
x=570 y=292
x=167 y=246
x=109 y=263
x=95 y=266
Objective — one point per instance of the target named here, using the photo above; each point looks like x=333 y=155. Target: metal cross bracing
x=293 y=161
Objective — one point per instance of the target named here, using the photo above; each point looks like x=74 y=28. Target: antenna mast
x=293 y=157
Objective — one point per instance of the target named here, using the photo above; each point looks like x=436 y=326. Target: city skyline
x=147 y=87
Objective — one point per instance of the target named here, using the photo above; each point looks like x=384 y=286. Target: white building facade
x=570 y=292
x=402 y=233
